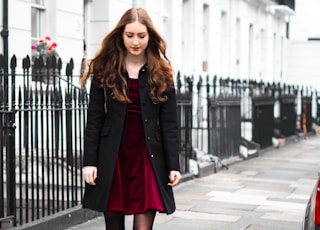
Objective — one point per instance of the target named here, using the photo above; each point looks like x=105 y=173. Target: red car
x=312 y=214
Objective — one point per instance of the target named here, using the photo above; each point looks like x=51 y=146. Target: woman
x=131 y=158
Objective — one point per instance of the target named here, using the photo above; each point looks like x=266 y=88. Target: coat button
x=145 y=121
x=148 y=138
x=152 y=156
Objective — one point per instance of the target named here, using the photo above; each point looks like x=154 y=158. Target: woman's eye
x=139 y=36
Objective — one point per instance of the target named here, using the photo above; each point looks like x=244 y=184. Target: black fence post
x=199 y=116
x=11 y=174
x=208 y=114
x=2 y=139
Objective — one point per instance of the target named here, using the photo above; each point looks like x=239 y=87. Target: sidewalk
x=266 y=192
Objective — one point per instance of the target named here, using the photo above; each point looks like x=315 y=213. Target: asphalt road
x=268 y=192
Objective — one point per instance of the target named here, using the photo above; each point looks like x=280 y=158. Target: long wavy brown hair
x=109 y=63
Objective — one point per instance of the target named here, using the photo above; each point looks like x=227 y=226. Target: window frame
x=38 y=24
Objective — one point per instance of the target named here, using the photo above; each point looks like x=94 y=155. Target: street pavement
x=268 y=192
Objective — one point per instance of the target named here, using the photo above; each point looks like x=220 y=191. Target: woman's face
x=135 y=38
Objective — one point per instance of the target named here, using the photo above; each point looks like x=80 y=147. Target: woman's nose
x=135 y=41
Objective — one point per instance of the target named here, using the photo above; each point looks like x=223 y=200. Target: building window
x=224 y=49
x=38 y=13
x=206 y=37
x=238 y=45
x=187 y=54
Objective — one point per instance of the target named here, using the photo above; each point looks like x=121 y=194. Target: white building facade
x=303 y=52
x=241 y=39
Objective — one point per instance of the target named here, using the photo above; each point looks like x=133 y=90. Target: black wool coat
x=104 y=132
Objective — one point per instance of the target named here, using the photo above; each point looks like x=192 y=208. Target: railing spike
x=59 y=64
x=28 y=62
x=13 y=62
x=71 y=63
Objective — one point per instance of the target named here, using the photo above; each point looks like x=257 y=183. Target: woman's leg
x=144 y=221
x=114 y=220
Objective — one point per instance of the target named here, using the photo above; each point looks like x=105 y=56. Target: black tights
x=114 y=221
x=143 y=221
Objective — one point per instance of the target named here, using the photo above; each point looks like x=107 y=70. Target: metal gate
x=263 y=120
x=225 y=126
x=288 y=115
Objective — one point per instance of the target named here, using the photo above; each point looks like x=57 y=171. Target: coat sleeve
x=169 y=130
x=95 y=119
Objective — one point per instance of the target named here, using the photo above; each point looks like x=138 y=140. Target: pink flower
x=44 y=46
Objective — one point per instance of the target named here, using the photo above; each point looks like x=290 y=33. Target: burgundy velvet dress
x=134 y=187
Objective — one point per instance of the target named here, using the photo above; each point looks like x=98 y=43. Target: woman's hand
x=89 y=174
x=174 y=178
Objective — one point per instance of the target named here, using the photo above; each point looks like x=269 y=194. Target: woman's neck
x=135 y=60
x=133 y=65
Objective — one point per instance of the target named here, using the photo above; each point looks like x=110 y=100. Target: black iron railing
x=41 y=142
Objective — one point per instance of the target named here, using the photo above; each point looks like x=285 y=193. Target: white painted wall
x=226 y=46
x=306 y=21
x=303 y=64
x=302 y=57
x=68 y=28
x=19 y=20
x=102 y=17
x=213 y=31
